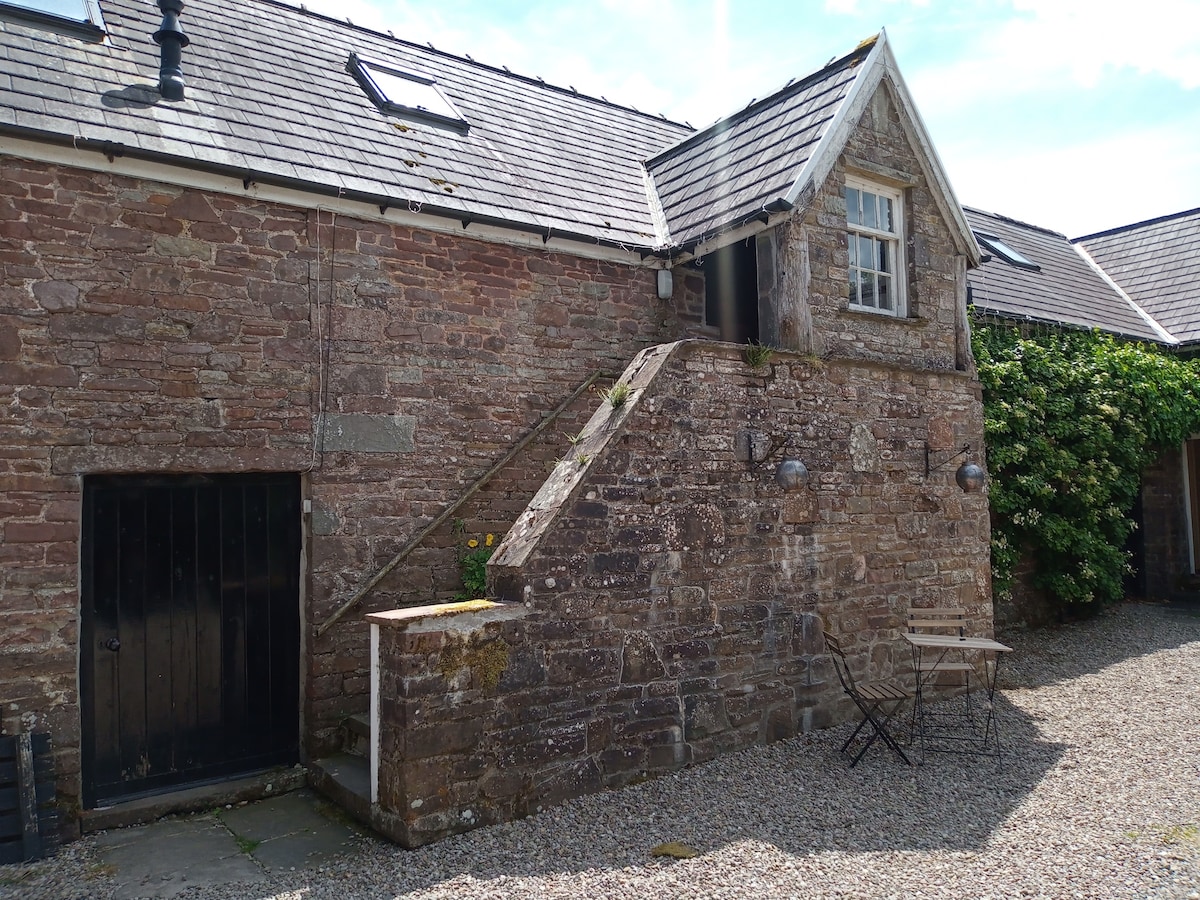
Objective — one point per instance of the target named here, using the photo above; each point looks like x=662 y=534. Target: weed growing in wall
x=1072 y=419
x=616 y=395
x=473 y=555
x=757 y=355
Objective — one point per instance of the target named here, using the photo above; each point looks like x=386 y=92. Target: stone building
x=1138 y=282
x=291 y=312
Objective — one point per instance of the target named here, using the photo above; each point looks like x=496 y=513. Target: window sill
x=872 y=314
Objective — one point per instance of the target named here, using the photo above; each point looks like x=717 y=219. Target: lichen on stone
x=487 y=658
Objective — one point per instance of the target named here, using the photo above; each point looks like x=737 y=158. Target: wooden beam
x=31 y=834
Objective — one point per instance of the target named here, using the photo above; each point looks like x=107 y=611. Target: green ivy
x=1071 y=420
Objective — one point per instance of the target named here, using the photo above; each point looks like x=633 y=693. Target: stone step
x=357 y=735
x=195 y=798
x=346 y=780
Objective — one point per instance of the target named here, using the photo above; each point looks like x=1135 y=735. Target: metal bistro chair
x=949 y=669
x=942 y=620
x=878 y=701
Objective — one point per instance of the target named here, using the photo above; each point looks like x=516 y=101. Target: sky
x=1074 y=115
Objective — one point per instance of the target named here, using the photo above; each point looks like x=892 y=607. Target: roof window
x=77 y=17
x=997 y=247
x=405 y=94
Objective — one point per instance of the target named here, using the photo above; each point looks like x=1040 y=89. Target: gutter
x=113 y=150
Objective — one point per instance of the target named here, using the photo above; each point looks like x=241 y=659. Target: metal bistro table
x=968 y=731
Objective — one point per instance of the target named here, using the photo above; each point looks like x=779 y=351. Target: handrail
x=454 y=507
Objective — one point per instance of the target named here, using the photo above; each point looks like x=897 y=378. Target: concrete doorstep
x=244 y=843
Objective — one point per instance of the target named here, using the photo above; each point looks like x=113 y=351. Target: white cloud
x=1086 y=38
x=1079 y=187
x=1062 y=45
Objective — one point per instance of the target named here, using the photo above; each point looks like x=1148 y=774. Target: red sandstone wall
x=667 y=598
x=148 y=328
x=1164 y=525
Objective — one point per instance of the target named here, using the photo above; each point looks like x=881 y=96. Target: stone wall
x=813 y=258
x=149 y=328
x=669 y=595
x=1164 y=526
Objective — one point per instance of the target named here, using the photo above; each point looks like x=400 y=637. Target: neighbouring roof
x=1157 y=263
x=1065 y=288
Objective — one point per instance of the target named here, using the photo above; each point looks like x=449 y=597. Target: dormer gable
x=748 y=170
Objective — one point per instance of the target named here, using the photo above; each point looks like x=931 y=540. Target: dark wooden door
x=190 y=641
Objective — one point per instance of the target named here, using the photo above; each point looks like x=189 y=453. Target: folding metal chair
x=942 y=620
x=878 y=701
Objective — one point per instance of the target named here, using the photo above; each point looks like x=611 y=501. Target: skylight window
x=80 y=17
x=407 y=95
x=997 y=247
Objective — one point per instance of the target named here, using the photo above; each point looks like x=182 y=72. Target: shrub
x=1071 y=420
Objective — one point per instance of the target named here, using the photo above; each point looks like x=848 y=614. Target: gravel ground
x=1098 y=797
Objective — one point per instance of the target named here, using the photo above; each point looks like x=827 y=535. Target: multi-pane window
x=873 y=235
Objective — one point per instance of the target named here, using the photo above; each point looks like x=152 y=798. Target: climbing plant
x=1071 y=420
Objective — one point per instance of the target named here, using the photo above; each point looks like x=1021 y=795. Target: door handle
x=113 y=644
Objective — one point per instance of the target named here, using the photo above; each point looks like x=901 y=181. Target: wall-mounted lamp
x=666 y=284
x=970 y=477
x=791 y=475
x=755 y=448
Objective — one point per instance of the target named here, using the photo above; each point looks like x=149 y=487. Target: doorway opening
x=190 y=630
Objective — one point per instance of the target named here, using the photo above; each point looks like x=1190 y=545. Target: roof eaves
x=837 y=132
x=730 y=232
x=1165 y=336
x=988 y=312
x=114 y=149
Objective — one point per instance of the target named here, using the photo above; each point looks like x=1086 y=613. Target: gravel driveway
x=1099 y=797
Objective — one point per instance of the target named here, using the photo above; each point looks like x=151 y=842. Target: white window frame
x=892 y=242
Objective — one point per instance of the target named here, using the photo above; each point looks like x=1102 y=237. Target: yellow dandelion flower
x=472 y=543
x=490 y=538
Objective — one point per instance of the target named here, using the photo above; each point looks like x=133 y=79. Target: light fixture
x=791 y=475
x=666 y=284
x=970 y=477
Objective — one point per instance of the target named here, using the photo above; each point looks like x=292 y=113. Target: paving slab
x=238 y=844
x=291 y=832
x=164 y=858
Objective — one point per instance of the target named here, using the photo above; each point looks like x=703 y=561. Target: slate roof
x=1157 y=263
x=269 y=98
x=1066 y=289
x=269 y=93
x=725 y=175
